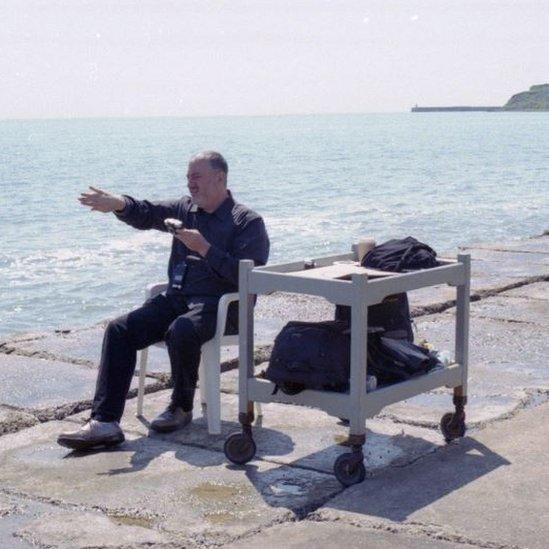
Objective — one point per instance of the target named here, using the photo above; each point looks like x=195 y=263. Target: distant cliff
x=535 y=99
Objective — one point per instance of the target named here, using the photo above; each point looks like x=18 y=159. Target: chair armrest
x=155 y=289
x=222 y=310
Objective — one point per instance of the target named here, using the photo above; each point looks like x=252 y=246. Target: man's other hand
x=194 y=240
x=102 y=201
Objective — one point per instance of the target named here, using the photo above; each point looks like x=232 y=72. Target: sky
x=84 y=58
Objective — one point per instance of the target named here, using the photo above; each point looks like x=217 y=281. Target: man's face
x=206 y=185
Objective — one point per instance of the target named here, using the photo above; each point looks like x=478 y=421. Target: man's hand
x=193 y=240
x=102 y=201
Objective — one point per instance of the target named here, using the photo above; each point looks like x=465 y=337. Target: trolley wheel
x=239 y=448
x=349 y=469
x=452 y=425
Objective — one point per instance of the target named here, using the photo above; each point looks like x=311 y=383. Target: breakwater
x=457 y=109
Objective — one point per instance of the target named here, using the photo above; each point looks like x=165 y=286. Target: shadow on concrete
x=198 y=453
x=396 y=493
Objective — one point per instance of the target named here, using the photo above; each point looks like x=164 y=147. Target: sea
x=321 y=182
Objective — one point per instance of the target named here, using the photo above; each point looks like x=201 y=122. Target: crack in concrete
x=442 y=306
x=505 y=250
x=136 y=513
x=414 y=529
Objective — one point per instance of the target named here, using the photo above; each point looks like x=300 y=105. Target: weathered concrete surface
x=536 y=244
x=508 y=369
x=12 y=419
x=183 y=491
x=79 y=529
x=27 y=523
x=493 y=267
x=14 y=513
x=537 y=290
x=79 y=347
x=330 y=534
x=295 y=436
x=39 y=383
x=35 y=384
x=492 y=488
x=513 y=309
x=83 y=346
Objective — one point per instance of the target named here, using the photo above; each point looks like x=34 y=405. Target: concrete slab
x=30 y=523
x=329 y=534
x=79 y=529
x=501 y=270
x=83 y=346
x=514 y=309
x=12 y=420
x=295 y=436
x=179 y=489
x=538 y=244
x=537 y=290
x=511 y=346
x=514 y=257
x=11 y=513
x=508 y=370
x=491 y=489
x=38 y=384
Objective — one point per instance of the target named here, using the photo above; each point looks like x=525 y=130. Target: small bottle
x=445 y=357
x=371 y=383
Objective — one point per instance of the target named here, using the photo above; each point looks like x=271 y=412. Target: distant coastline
x=457 y=109
x=534 y=100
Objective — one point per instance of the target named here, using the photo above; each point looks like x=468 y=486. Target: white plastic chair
x=209 y=372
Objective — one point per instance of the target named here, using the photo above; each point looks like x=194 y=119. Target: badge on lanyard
x=178 y=277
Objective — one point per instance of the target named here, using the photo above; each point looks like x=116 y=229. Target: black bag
x=392 y=360
x=311 y=355
x=392 y=315
x=400 y=255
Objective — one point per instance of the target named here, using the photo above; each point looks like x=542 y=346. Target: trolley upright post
x=240 y=447
x=452 y=425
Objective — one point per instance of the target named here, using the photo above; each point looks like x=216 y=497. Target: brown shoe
x=171 y=419
x=93 y=434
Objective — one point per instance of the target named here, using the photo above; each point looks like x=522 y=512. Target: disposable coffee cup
x=363 y=246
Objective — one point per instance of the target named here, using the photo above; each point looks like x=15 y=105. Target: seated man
x=217 y=232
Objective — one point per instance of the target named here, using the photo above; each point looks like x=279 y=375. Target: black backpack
x=311 y=355
x=401 y=255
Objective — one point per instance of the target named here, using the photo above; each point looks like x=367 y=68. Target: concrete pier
x=490 y=489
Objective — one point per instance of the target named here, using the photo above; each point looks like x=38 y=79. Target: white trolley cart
x=341 y=280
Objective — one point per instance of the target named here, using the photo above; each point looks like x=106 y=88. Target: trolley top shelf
x=342 y=280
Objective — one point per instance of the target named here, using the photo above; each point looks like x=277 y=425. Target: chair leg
x=258 y=410
x=212 y=376
x=202 y=384
x=142 y=373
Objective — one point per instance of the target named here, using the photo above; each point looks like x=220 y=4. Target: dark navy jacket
x=234 y=232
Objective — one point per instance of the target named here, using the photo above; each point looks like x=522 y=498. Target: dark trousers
x=185 y=323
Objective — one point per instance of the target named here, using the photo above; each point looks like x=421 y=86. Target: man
x=217 y=232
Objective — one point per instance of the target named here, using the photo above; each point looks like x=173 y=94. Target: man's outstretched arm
x=102 y=201
x=140 y=214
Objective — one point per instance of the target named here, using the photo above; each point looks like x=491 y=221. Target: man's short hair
x=216 y=160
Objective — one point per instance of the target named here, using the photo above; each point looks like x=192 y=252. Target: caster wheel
x=349 y=469
x=452 y=427
x=239 y=448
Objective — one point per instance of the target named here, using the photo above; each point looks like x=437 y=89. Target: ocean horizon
x=320 y=181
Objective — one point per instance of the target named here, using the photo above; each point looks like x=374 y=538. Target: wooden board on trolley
x=341 y=270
